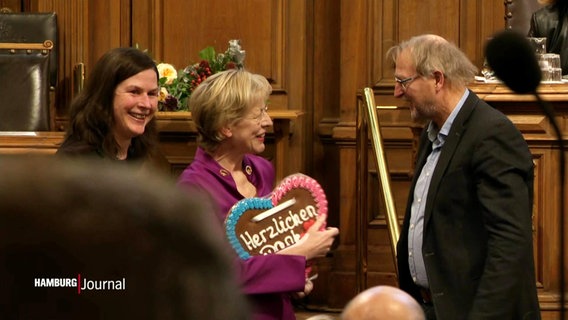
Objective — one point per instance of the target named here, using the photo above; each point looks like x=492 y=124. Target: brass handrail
x=367 y=119
x=381 y=162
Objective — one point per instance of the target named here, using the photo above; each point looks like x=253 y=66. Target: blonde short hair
x=222 y=99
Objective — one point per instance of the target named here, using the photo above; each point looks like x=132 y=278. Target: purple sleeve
x=259 y=274
x=275 y=273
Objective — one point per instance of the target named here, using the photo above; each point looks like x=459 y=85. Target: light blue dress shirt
x=416 y=228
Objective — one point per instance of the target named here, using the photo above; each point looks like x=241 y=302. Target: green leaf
x=207 y=53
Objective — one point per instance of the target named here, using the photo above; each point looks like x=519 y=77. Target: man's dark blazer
x=477 y=243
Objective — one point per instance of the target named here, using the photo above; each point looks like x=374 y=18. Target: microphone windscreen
x=513 y=60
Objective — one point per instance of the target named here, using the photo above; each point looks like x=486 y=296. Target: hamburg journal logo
x=81 y=284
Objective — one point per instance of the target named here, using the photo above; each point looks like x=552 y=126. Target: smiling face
x=247 y=134
x=419 y=92
x=135 y=103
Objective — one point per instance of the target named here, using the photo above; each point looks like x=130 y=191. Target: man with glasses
x=465 y=250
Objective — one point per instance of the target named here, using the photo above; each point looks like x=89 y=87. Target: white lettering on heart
x=281 y=227
x=279 y=245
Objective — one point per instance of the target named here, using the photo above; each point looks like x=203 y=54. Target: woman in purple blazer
x=229 y=111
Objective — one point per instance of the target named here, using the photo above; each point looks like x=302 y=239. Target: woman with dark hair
x=112 y=117
x=551 y=22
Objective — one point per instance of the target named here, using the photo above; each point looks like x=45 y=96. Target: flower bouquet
x=176 y=86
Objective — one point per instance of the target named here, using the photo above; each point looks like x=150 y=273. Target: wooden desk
x=177 y=136
x=524 y=110
x=40 y=142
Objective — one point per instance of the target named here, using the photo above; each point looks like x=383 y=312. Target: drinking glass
x=538 y=44
x=550 y=65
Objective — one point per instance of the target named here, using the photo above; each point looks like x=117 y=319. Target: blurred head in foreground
x=383 y=302
x=85 y=240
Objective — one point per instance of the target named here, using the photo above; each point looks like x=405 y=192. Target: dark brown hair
x=91 y=113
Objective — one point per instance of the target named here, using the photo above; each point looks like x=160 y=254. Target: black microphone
x=514 y=62
x=512 y=58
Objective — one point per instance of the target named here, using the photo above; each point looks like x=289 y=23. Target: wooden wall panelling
x=468 y=11
x=322 y=92
x=466 y=23
x=109 y=27
x=383 y=36
x=354 y=74
x=147 y=26
x=186 y=27
x=322 y=102
x=480 y=20
x=13 y=6
x=354 y=60
x=296 y=48
x=442 y=18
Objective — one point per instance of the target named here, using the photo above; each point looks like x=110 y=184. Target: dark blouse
x=552 y=22
x=74 y=147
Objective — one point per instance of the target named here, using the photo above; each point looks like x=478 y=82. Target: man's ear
x=440 y=79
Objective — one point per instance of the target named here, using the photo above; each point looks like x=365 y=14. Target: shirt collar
x=438 y=137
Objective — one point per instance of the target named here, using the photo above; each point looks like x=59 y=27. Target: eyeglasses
x=404 y=83
x=263 y=112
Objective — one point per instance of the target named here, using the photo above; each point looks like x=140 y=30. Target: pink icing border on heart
x=299 y=180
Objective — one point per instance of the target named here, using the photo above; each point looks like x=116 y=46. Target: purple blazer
x=266 y=280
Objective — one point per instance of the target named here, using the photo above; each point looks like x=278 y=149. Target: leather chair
x=518 y=14
x=28 y=69
x=34 y=27
x=25 y=89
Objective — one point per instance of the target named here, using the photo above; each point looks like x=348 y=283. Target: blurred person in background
x=159 y=249
x=382 y=303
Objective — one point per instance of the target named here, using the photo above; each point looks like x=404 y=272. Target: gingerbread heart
x=259 y=226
